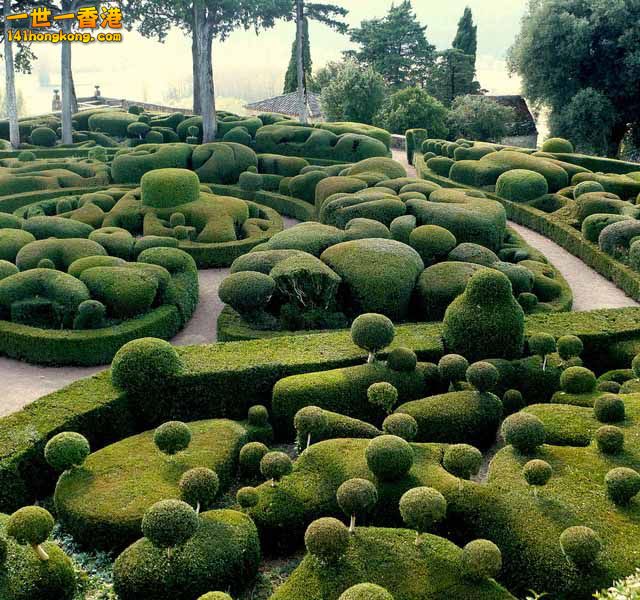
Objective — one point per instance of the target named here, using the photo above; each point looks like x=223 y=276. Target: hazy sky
x=250 y=67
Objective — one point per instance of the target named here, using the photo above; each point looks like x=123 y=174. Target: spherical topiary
x=453 y=368
x=581 y=545
x=247 y=291
x=609 y=409
x=91 y=315
x=43 y=136
x=164 y=188
x=247 y=497
x=258 y=415
x=389 y=457
x=569 y=346
x=356 y=497
x=528 y=301
x=250 y=456
x=401 y=425
x=587 y=187
x=310 y=422
x=137 y=129
x=610 y=439
x=537 y=472
x=275 y=465
x=524 y=431
x=177 y=219
x=26 y=156
x=542 y=344
x=483 y=376
x=578 y=380
x=521 y=185
x=143 y=366
x=366 y=591
x=402 y=359
x=462 y=460
x=432 y=242
x=66 y=450
x=198 y=487
x=215 y=596
x=327 y=539
x=172 y=437
x=46 y=263
x=422 y=507
x=372 y=332
x=622 y=484
x=481 y=559
x=611 y=387
x=31 y=525
x=169 y=523
x=557 y=145
x=512 y=401
x=382 y=394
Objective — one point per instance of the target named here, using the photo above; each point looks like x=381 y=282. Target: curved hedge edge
x=564 y=235
x=56 y=152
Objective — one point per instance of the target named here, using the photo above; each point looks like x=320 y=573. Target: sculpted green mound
x=103 y=501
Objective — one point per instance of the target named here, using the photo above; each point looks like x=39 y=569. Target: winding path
x=23 y=383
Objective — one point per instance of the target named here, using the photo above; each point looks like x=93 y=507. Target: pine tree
x=291 y=77
x=466 y=38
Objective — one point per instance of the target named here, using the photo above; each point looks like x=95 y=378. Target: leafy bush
x=356 y=497
x=432 y=242
x=609 y=409
x=557 y=145
x=43 y=136
x=520 y=185
x=578 y=380
x=249 y=459
x=401 y=425
x=453 y=368
x=421 y=508
x=524 y=431
x=412 y=108
x=383 y=395
x=569 y=346
x=372 y=332
x=327 y=539
x=199 y=487
x=462 y=460
x=483 y=376
x=581 y=545
x=622 y=484
x=366 y=591
x=481 y=559
x=31 y=525
x=247 y=497
x=610 y=439
x=169 y=523
x=389 y=457
x=166 y=188
x=479 y=118
x=66 y=450
x=537 y=472
x=275 y=465
x=402 y=359
x=310 y=422
x=172 y=437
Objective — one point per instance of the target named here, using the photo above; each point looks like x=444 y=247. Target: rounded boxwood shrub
x=512 y=401
x=274 y=466
x=31 y=525
x=356 y=497
x=610 y=439
x=91 y=315
x=401 y=425
x=402 y=359
x=569 y=346
x=199 y=487
x=581 y=545
x=250 y=182
x=483 y=376
x=66 y=450
x=481 y=559
x=26 y=156
x=389 y=457
x=247 y=292
x=524 y=431
x=462 y=460
x=521 y=185
x=421 y=508
x=383 y=395
x=143 y=366
x=327 y=539
x=578 y=380
x=372 y=332
x=169 y=523
x=537 y=472
x=247 y=497
x=172 y=437
x=432 y=242
x=557 y=144
x=587 y=187
x=609 y=409
x=542 y=344
x=43 y=136
x=310 y=422
x=249 y=459
x=258 y=415
x=622 y=485
x=453 y=368
x=165 y=188
x=611 y=387
x=366 y=591
x=215 y=596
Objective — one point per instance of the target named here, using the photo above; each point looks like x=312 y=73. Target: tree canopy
x=466 y=39
x=479 y=118
x=453 y=75
x=413 y=108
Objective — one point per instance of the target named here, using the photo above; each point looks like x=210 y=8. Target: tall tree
x=291 y=76
x=466 y=39
x=452 y=76
x=396 y=46
x=569 y=46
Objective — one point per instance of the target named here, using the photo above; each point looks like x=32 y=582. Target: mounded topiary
x=91 y=315
x=483 y=376
x=521 y=185
x=26 y=156
x=537 y=472
x=610 y=387
x=372 y=332
x=31 y=525
x=258 y=415
x=309 y=422
x=453 y=368
x=587 y=187
x=383 y=395
x=610 y=439
x=512 y=402
x=421 y=508
x=569 y=346
x=557 y=144
x=401 y=425
x=43 y=136
x=485 y=318
x=542 y=344
x=481 y=559
x=249 y=459
x=327 y=539
x=172 y=437
x=169 y=523
x=622 y=485
x=274 y=466
x=609 y=409
x=578 y=380
x=366 y=591
x=524 y=431
x=66 y=450
x=432 y=242
x=247 y=497
x=356 y=497
x=402 y=359
x=164 y=188
x=143 y=366
x=215 y=596
x=462 y=460
x=248 y=293
x=581 y=545
x=389 y=457
x=199 y=487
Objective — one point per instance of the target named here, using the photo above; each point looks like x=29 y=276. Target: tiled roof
x=287 y=104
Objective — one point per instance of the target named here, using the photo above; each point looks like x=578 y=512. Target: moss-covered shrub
x=169 y=523
x=44 y=136
x=569 y=346
x=372 y=332
x=366 y=591
x=31 y=525
x=401 y=425
x=249 y=459
x=389 y=457
x=247 y=497
x=537 y=472
x=609 y=409
x=610 y=439
x=310 y=422
x=521 y=185
x=172 y=437
x=578 y=380
x=327 y=539
x=433 y=243
x=559 y=145
x=356 y=498
x=622 y=485
x=402 y=359
x=524 y=431
x=581 y=545
x=422 y=507
x=91 y=315
x=481 y=559
x=587 y=187
x=113 y=123
x=166 y=188
x=199 y=487
x=382 y=395
x=462 y=460
x=275 y=465
x=483 y=376
x=66 y=450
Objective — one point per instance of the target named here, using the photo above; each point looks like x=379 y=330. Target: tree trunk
x=195 y=59
x=204 y=34
x=302 y=92
x=74 y=96
x=10 y=88
x=67 y=88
